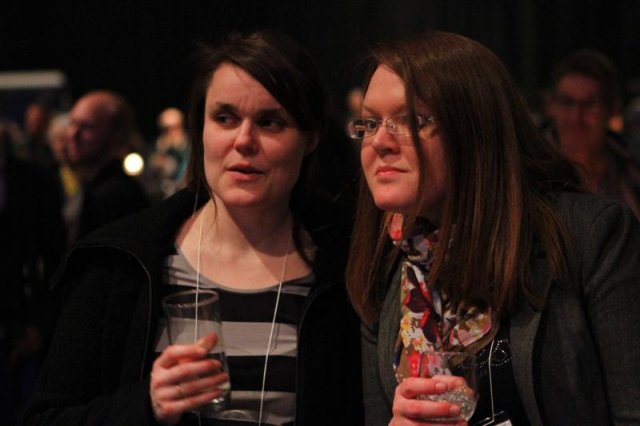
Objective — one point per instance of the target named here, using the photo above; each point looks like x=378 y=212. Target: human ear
x=312 y=142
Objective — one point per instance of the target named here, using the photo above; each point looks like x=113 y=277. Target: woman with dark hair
x=249 y=226
x=474 y=234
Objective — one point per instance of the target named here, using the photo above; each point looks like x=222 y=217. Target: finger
x=208 y=342
x=183 y=373
x=405 y=404
x=412 y=387
x=203 y=384
x=457 y=383
x=408 y=422
x=189 y=389
x=180 y=392
x=159 y=378
x=176 y=407
x=175 y=354
x=191 y=370
x=451 y=381
x=423 y=409
x=162 y=414
x=168 y=393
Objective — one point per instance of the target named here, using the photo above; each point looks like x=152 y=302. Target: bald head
x=169 y=118
x=100 y=125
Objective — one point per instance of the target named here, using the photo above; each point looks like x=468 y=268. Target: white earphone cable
x=275 y=310
x=273 y=323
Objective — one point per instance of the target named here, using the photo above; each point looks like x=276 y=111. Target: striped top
x=246 y=323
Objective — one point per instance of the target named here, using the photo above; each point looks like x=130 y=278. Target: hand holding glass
x=462 y=391
x=191 y=315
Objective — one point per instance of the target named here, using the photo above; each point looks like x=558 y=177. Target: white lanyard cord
x=493 y=412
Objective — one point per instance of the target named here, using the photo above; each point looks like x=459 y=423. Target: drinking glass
x=463 y=392
x=191 y=315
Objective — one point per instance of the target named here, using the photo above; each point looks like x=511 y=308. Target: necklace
x=275 y=309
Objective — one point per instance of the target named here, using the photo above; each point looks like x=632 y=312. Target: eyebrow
x=225 y=106
x=368 y=111
x=373 y=112
x=570 y=96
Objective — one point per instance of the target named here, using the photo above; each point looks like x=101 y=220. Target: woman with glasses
x=474 y=234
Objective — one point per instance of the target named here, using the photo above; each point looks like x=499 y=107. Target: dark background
x=141 y=50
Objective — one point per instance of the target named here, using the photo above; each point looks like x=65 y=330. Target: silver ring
x=180 y=392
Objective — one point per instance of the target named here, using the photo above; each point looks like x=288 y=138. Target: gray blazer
x=576 y=361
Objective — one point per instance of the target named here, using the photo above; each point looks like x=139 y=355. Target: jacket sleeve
x=379 y=382
x=376 y=406
x=83 y=381
x=611 y=279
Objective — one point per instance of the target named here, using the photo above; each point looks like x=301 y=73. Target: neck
x=584 y=150
x=240 y=252
x=582 y=143
x=87 y=172
x=243 y=251
x=593 y=158
x=265 y=232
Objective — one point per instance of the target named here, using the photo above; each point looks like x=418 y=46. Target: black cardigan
x=97 y=371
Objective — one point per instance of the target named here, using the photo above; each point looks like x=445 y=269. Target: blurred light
x=133 y=164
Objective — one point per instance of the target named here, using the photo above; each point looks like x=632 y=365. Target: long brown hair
x=501 y=174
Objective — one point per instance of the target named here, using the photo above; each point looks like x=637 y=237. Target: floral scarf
x=428 y=320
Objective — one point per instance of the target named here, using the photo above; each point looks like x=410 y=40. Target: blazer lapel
x=523 y=330
x=387 y=334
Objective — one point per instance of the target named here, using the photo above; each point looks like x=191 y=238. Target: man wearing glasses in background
x=585 y=96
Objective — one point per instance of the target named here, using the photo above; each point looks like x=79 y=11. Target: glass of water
x=462 y=385
x=191 y=315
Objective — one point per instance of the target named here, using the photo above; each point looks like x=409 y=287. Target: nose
x=384 y=142
x=245 y=140
x=72 y=131
x=576 y=113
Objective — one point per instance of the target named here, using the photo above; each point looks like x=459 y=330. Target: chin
x=243 y=202
x=393 y=206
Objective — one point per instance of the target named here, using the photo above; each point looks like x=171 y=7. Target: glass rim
x=214 y=297
x=447 y=352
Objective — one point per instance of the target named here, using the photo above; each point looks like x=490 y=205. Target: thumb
x=208 y=342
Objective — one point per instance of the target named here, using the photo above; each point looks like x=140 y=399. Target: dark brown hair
x=287 y=72
x=595 y=65
x=500 y=174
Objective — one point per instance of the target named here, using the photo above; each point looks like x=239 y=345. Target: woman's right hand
x=407 y=410
x=183 y=379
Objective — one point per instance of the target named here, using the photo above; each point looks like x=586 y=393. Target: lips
x=244 y=169
x=387 y=171
x=245 y=173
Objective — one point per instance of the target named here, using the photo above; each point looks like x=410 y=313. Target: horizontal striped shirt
x=246 y=324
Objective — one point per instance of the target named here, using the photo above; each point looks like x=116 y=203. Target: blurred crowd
x=62 y=175
x=66 y=173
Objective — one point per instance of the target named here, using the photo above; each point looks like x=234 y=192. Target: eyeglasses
x=397 y=125
x=568 y=102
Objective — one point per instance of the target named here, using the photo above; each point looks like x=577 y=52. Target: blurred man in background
x=585 y=97
x=101 y=126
